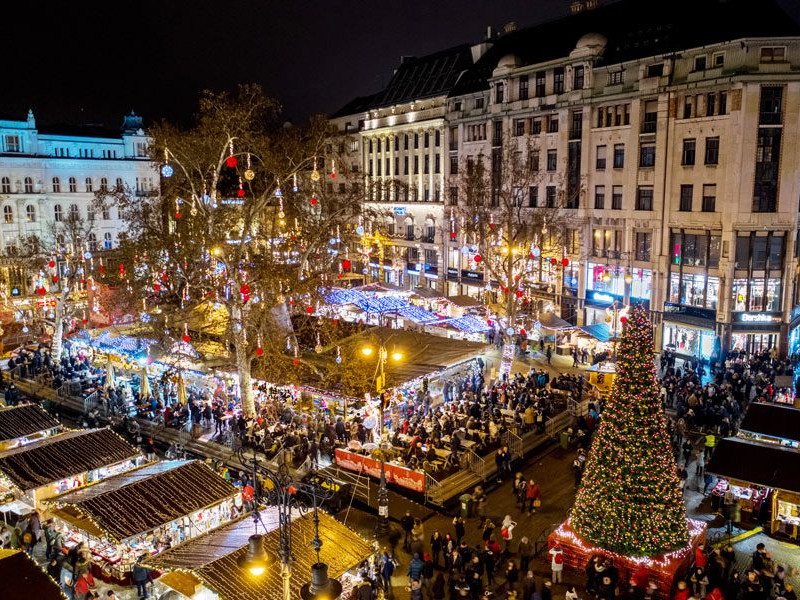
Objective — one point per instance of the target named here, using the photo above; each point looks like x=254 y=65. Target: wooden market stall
x=24 y=424
x=22 y=579
x=206 y=567
x=144 y=511
x=51 y=466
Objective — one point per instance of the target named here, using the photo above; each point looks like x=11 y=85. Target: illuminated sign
x=602 y=298
x=757 y=317
x=400 y=211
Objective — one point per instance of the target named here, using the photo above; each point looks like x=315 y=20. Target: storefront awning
x=769 y=466
x=772 y=420
x=549 y=320
x=599 y=331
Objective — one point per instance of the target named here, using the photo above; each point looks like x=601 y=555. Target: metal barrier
x=514 y=443
x=559 y=423
x=476 y=464
x=540 y=543
x=432 y=490
x=90 y=402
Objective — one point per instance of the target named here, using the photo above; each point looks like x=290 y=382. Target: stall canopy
x=549 y=320
x=772 y=420
x=23 y=579
x=469 y=324
x=463 y=301
x=427 y=293
x=24 y=420
x=765 y=465
x=381 y=288
x=599 y=331
x=62 y=456
x=141 y=500
x=212 y=558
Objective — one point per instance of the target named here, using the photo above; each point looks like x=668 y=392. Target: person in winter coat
x=556 y=554
x=525 y=551
x=507 y=532
x=141 y=577
x=416 y=590
x=414 y=571
x=528 y=586
x=388 y=565
x=533 y=494
x=438 y=590
x=436 y=547
x=512 y=575
x=407 y=523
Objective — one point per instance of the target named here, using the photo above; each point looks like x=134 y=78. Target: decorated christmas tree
x=630 y=501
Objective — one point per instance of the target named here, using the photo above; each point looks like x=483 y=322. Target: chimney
x=481 y=48
x=579 y=6
x=509 y=27
x=489 y=33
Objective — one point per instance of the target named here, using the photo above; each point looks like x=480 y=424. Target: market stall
x=143 y=512
x=24 y=424
x=771 y=424
x=207 y=567
x=51 y=466
x=22 y=579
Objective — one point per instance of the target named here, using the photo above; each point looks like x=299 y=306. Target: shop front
x=613 y=285
x=688 y=330
x=753 y=332
x=794 y=331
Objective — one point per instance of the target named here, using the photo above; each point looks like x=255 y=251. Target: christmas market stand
x=207 y=567
x=54 y=465
x=23 y=579
x=143 y=512
x=24 y=424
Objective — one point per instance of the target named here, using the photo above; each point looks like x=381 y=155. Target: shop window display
x=688 y=340
x=761 y=298
x=694 y=289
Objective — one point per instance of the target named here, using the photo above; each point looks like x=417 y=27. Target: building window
x=13 y=143
x=454 y=165
x=56 y=185
x=616 y=197
x=688 y=153
x=550 y=196
x=8 y=214
x=709 y=197
x=90 y=212
x=619 y=156
x=770 y=106
x=600 y=197
x=106 y=213
x=103 y=184
x=437 y=163
x=686 y=198
x=558 y=80
x=453 y=196
x=700 y=63
x=523 y=87
x=58 y=213
x=647 y=154
x=607 y=243
x=765 y=191
x=656 y=70
x=28 y=185
x=89 y=184
x=533 y=161
x=519 y=127
x=74 y=213
x=30 y=213
x=437 y=139
x=533 y=196
x=552 y=124
x=768 y=54
x=644 y=198
x=576 y=125
x=92 y=239
x=616 y=77
x=499 y=90
x=536 y=126
x=478 y=103
x=107 y=243
x=427 y=165
x=578 y=77
x=426 y=141
x=552 y=160
x=723 y=103
x=600 y=159
x=540 y=84
x=644 y=243
x=712 y=151
x=718 y=60
x=5 y=185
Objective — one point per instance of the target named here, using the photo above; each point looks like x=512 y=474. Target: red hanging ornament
x=522 y=332
x=505 y=290
x=245 y=289
x=245 y=297
x=339 y=276
x=259 y=351
x=240 y=192
x=565 y=262
x=84 y=320
x=519 y=293
x=313 y=201
x=102 y=270
x=231 y=162
x=156 y=287
x=121 y=269
x=310 y=310
x=452 y=235
x=296 y=362
x=186 y=338
x=164 y=277
x=553 y=262
x=346 y=264
x=623 y=319
x=41 y=291
x=478 y=258
x=51 y=264
x=530 y=255
x=177 y=215
x=489 y=322
x=55 y=278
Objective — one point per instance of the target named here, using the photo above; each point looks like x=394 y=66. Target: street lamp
x=382 y=526
x=282 y=493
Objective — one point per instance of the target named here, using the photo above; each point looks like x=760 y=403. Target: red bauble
x=505 y=290
x=519 y=293
x=259 y=352
x=517 y=277
x=83 y=281
x=186 y=338
x=565 y=262
x=41 y=291
x=522 y=332
x=245 y=289
x=83 y=321
x=346 y=264
x=339 y=276
x=240 y=193
x=177 y=215
x=292 y=489
x=336 y=321
x=231 y=162
x=553 y=262
x=156 y=287
x=313 y=201
x=531 y=256
x=102 y=270
x=310 y=310
x=164 y=277
x=491 y=225
x=478 y=258
x=245 y=297
x=51 y=264
x=452 y=235
x=55 y=278
x=291 y=302
x=489 y=322
x=623 y=320
x=296 y=362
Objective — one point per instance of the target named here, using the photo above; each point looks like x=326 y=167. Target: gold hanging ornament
x=315 y=172
x=249 y=174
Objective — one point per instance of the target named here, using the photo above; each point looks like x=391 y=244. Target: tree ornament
x=553 y=261
x=536 y=252
x=565 y=262
x=177 y=215
x=259 y=351
x=156 y=287
x=166 y=170
x=41 y=291
x=310 y=310
x=477 y=258
x=623 y=319
x=186 y=337
x=244 y=289
x=51 y=264
x=231 y=161
x=523 y=333
x=313 y=201
x=519 y=293
x=245 y=297
x=333 y=169
x=249 y=174
x=452 y=235
x=346 y=264
x=315 y=172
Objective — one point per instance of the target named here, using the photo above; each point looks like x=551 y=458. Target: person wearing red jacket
x=682 y=593
x=532 y=495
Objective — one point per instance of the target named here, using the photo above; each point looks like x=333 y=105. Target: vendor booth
x=771 y=424
x=143 y=512
x=24 y=424
x=51 y=466
x=206 y=568
x=22 y=579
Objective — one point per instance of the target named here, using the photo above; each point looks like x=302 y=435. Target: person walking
x=533 y=494
x=507 y=532
x=388 y=564
x=460 y=528
x=141 y=577
x=556 y=562
x=407 y=523
x=525 y=551
x=436 y=542
x=549 y=354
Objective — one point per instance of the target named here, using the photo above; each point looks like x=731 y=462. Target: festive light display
x=631 y=501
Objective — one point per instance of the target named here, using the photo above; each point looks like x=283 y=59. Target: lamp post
x=282 y=494
x=382 y=525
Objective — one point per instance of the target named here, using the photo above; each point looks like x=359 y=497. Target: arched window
x=107 y=243
x=119 y=184
x=430 y=230
x=58 y=213
x=409 y=229
x=5 y=185
x=56 y=185
x=391 y=224
x=8 y=214
x=106 y=213
x=103 y=184
x=30 y=213
x=73 y=185
x=92 y=239
x=73 y=212
x=28 y=185
x=89 y=184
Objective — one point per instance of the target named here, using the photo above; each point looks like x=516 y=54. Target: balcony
x=649 y=124
x=427 y=239
x=410 y=237
x=453 y=146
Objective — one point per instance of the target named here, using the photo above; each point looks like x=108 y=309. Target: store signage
x=396 y=474
x=757 y=317
x=400 y=211
x=474 y=275
x=452 y=273
x=690 y=311
x=412 y=268
x=601 y=297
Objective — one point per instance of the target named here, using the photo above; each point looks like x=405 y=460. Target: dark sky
x=87 y=61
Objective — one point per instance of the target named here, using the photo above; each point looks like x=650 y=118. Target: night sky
x=91 y=62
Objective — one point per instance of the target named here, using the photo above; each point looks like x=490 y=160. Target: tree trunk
x=243 y=366
x=58 y=326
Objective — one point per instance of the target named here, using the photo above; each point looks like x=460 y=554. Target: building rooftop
x=761 y=464
x=25 y=419
x=23 y=579
x=772 y=420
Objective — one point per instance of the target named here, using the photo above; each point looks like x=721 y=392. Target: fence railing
x=91 y=402
x=476 y=464
x=514 y=443
x=432 y=488
x=559 y=423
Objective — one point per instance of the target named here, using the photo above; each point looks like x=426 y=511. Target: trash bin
x=564 y=440
x=466 y=505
